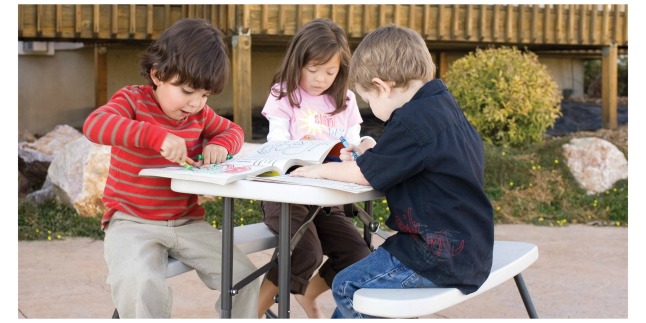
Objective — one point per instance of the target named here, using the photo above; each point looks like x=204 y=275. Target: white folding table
x=286 y=194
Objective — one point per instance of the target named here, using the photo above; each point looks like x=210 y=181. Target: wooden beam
x=78 y=23
x=132 y=21
x=609 y=87
x=101 y=76
x=114 y=21
x=605 y=21
x=96 y=15
x=570 y=24
x=442 y=65
x=483 y=22
x=149 y=21
x=59 y=20
x=241 y=68
x=425 y=21
x=396 y=14
x=534 y=23
x=468 y=24
x=509 y=23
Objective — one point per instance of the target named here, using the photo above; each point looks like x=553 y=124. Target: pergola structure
x=566 y=29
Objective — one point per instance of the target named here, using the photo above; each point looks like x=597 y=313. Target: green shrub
x=507 y=95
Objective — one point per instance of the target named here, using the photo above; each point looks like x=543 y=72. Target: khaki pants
x=136 y=252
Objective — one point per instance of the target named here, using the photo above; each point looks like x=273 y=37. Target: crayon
x=346 y=144
x=187 y=166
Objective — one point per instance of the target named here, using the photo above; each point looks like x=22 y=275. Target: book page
x=223 y=173
x=313 y=151
x=319 y=182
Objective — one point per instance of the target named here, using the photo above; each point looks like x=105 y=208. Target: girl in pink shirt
x=309 y=99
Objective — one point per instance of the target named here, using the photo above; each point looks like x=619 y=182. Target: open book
x=270 y=159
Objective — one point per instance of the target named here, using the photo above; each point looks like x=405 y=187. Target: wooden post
x=442 y=65
x=609 y=87
x=241 y=70
x=101 y=73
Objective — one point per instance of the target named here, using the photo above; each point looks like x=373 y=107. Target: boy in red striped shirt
x=162 y=124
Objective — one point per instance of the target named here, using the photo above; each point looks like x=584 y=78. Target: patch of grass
x=54 y=221
x=529 y=184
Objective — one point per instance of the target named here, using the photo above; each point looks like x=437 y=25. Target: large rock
x=35 y=157
x=595 y=163
x=78 y=174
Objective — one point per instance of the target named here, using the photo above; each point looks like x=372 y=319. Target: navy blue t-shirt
x=429 y=162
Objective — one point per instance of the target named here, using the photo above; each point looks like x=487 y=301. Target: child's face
x=316 y=79
x=379 y=103
x=179 y=101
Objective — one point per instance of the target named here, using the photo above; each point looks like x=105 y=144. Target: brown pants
x=333 y=235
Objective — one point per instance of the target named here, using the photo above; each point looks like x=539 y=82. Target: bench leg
x=115 y=315
x=524 y=294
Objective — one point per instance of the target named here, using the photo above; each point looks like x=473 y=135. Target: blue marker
x=346 y=144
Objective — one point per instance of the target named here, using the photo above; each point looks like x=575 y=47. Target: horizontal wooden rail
x=558 y=25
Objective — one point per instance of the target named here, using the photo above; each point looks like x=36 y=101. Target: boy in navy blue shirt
x=429 y=162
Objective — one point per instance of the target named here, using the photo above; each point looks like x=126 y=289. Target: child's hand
x=173 y=148
x=311 y=171
x=345 y=154
x=214 y=154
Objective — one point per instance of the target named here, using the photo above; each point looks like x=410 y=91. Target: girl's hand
x=173 y=148
x=214 y=154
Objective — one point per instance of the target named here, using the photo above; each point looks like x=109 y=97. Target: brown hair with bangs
x=192 y=50
x=318 y=40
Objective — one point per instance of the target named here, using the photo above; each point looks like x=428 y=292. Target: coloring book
x=270 y=159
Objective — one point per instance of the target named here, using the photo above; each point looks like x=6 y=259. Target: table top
x=275 y=192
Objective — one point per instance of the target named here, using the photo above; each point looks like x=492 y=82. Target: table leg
x=227 y=259
x=284 y=261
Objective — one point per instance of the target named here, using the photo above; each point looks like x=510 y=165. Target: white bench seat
x=510 y=258
x=249 y=238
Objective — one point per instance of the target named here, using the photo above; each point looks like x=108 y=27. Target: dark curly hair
x=192 y=50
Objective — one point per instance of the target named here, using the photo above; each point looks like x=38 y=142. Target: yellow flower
x=556 y=161
x=498 y=208
x=49 y=237
x=541 y=219
x=511 y=184
x=58 y=236
x=250 y=201
x=618 y=223
x=533 y=167
x=504 y=153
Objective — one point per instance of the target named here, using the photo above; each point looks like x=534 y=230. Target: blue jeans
x=379 y=270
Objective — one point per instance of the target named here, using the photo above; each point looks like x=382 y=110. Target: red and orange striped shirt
x=135 y=126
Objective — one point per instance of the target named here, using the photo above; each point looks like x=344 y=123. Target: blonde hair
x=391 y=53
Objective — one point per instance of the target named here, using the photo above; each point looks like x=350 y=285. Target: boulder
x=78 y=173
x=596 y=164
x=35 y=157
